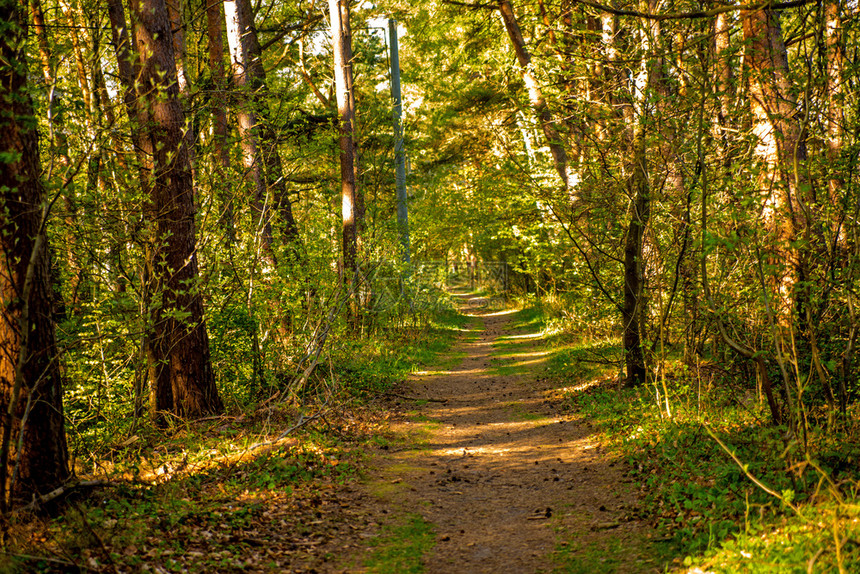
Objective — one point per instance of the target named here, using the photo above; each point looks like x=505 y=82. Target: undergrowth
x=709 y=501
x=708 y=504
x=257 y=488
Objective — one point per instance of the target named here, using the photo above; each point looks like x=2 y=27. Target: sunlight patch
x=526 y=336
x=581 y=387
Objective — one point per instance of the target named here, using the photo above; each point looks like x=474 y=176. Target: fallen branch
x=60 y=491
x=407 y=398
x=58 y=561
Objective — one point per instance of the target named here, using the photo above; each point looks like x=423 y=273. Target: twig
x=60 y=491
x=407 y=398
x=750 y=476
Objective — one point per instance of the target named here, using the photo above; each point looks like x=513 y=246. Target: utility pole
x=399 y=153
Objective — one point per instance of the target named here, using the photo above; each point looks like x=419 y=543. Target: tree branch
x=696 y=13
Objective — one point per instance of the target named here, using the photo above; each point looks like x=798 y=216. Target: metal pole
x=399 y=153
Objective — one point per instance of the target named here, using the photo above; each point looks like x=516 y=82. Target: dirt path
x=509 y=483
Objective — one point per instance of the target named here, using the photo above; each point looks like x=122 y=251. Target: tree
x=260 y=145
x=179 y=362
x=538 y=102
x=240 y=31
x=639 y=191
x=33 y=454
x=220 y=129
x=342 y=49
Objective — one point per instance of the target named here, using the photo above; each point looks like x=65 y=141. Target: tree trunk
x=639 y=187
x=180 y=56
x=780 y=149
x=34 y=456
x=725 y=84
x=180 y=367
x=215 y=29
x=554 y=140
x=257 y=92
x=834 y=79
x=237 y=15
x=341 y=46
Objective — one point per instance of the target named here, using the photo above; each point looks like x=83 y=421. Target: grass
x=587 y=558
x=520 y=414
x=401 y=546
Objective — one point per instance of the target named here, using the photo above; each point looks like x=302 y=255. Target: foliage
x=704 y=499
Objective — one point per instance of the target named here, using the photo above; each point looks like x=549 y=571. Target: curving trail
x=510 y=483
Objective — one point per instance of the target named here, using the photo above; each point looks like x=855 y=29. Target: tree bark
x=180 y=56
x=215 y=29
x=632 y=311
x=180 y=368
x=248 y=57
x=835 y=90
x=780 y=150
x=34 y=456
x=238 y=17
x=341 y=47
x=569 y=178
x=639 y=189
x=725 y=81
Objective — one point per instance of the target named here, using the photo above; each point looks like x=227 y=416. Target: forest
x=265 y=262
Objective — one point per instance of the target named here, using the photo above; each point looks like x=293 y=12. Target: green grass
x=592 y=558
x=528 y=318
x=400 y=548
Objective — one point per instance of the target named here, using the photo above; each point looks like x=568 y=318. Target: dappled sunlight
x=536 y=335
x=502 y=313
x=584 y=386
x=536 y=361
x=526 y=355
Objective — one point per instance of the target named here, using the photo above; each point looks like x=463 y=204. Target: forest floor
x=487 y=471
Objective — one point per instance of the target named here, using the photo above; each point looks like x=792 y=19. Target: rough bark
x=34 y=457
x=180 y=369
